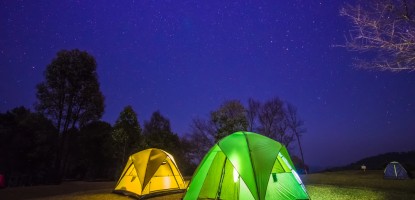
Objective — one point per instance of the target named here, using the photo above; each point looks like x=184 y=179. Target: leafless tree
x=227 y=119
x=295 y=124
x=271 y=120
x=384 y=30
x=201 y=138
x=284 y=133
x=252 y=113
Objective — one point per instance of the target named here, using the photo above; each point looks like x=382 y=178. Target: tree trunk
x=301 y=152
x=63 y=148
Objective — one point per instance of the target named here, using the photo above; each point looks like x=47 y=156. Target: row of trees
x=273 y=118
x=30 y=142
x=64 y=138
x=30 y=145
x=27 y=146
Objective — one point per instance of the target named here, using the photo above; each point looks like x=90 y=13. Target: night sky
x=185 y=58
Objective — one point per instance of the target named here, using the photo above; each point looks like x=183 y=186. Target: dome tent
x=246 y=165
x=151 y=171
x=394 y=170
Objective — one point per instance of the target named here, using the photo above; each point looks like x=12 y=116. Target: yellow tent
x=150 y=171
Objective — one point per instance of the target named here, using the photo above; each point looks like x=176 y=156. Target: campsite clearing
x=371 y=179
x=340 y=185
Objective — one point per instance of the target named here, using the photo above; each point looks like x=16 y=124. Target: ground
x=329 y=185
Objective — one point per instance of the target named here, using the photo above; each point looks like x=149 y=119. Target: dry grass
x=358 y=179
x=105 y=196
x=330 y=185
x=53 y=190
x=324 y=192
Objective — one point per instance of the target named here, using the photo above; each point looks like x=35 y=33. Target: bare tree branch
x=384 y=31
x=252 y=113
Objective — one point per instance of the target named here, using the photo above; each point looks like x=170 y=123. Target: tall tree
x=295 y=124
x=271 y=114
x=385 y=31
x=158 y=134
x=273 y=122
x=252 y=113
x=70 y=96
x=96 y=149
x=126 y=134
x=283 y=133
x=188 y=158
x=229 y=118
x=201 y=139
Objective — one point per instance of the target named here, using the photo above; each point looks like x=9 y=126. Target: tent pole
x=122 y=175
x=178 y=186
x=221 y=179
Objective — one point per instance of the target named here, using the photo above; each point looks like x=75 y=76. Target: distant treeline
x=30 y=144
x=65 y=139
x=379 y=162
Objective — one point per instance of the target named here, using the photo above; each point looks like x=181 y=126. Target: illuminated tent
x=247 y=166
x=150 y=171
x=394 y=170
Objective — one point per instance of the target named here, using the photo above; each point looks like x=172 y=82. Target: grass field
x=330 y=185
x=357 y=185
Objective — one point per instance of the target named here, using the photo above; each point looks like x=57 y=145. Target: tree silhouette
x=252 y=113
x=126 y=134
x=295 y=124
x=96 y=149
x=271 y=119
x=27 y=146
x=158 y=134
x=70 y=96
x=229 y=118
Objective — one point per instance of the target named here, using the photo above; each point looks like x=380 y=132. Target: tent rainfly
x=151 y=171
x=394 y=170
x=247 y=166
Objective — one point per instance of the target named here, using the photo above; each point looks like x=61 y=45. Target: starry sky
x=185 y=58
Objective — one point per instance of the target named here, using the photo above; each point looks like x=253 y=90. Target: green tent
x=246 y=165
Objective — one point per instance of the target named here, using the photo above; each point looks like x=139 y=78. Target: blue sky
x=186 y=58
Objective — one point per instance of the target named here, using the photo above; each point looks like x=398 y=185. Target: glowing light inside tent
x=285 y=161
x=293 y=171
x=235 y=175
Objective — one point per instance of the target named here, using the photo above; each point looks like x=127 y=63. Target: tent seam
x=122 y=175
x=253 y=166
x=175 y=164
x=171 y=169
x=145 y=174
x=219 y=192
